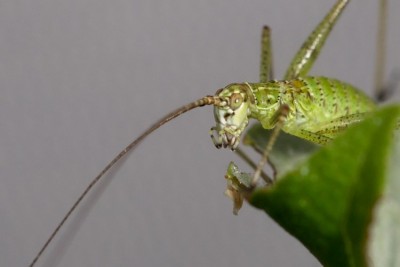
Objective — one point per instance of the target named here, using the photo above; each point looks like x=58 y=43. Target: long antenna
x=207 y=100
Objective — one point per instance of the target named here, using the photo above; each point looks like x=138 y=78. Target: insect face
x=231 y=114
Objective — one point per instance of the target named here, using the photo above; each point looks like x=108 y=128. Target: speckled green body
x=317 y=105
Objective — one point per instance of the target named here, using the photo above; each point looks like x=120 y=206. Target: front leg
x=278 y=120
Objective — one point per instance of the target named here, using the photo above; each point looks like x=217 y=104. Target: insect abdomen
x=330 y=98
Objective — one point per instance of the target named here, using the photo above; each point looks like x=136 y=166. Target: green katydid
x=313 y=108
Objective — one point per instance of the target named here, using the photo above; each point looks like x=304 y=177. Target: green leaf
x=330 y=201
x=384 y=248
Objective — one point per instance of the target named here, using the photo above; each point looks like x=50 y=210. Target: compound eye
x=236 y=101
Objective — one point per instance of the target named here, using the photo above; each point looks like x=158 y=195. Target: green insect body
x=313 y=103
x=318 y=108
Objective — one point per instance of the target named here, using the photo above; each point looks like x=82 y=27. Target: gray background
x=80 y=79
